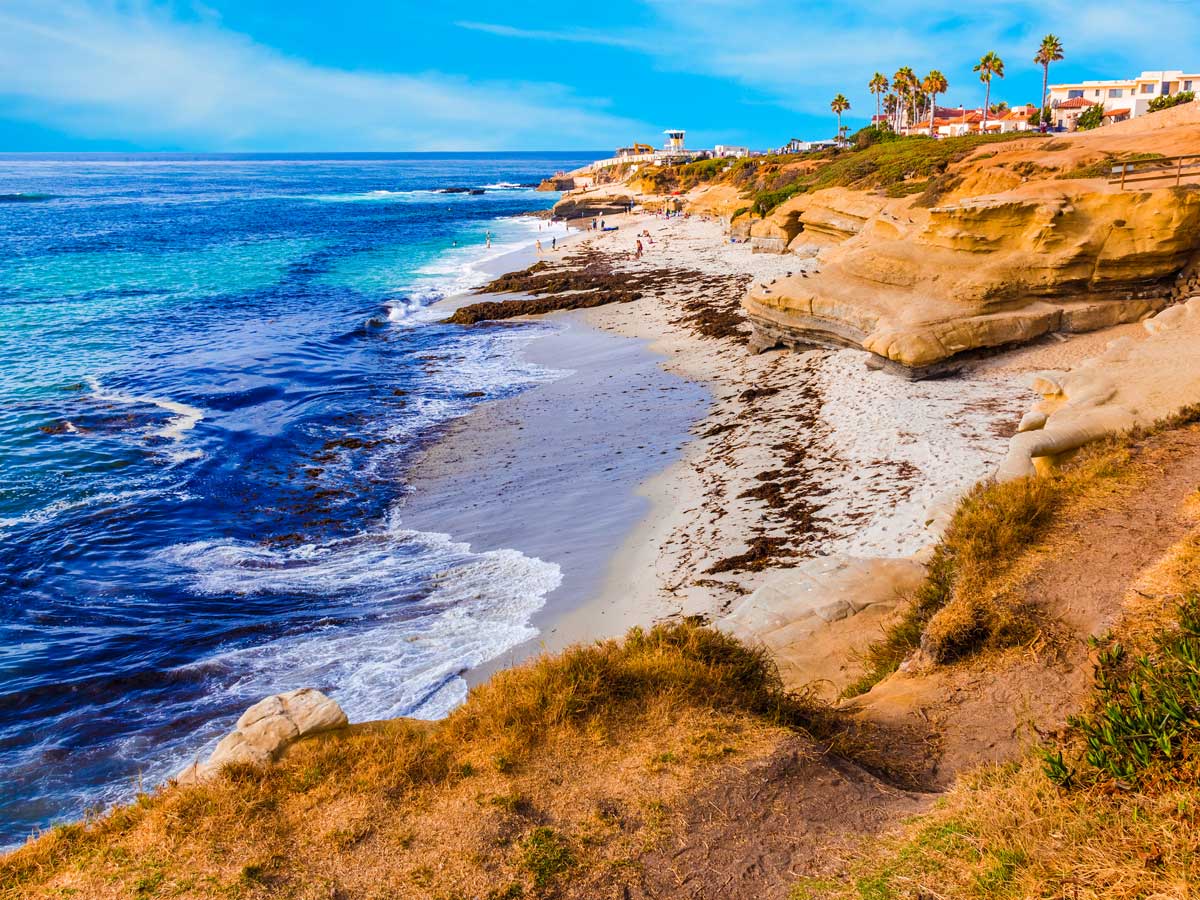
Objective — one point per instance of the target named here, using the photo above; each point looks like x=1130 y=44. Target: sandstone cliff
x=920 y=286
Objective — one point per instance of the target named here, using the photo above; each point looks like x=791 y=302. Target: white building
x=724 y=151
x=1121 y=99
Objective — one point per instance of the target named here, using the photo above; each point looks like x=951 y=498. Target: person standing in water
x=489 y=240
x=539 y=247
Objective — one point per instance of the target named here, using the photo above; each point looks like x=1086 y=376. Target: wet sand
x=554 y=471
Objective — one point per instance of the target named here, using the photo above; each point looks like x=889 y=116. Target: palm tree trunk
x=1045 y=82
x=987 y=100
x=932 y=110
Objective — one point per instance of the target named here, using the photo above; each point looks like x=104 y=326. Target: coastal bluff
x=1018 y=245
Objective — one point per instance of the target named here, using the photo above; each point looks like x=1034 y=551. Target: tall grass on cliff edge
x=1110 y=810
x=961 y=607
x=382 y=800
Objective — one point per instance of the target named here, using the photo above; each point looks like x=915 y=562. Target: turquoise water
x=213 y=372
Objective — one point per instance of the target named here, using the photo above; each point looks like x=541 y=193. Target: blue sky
x=314 y=75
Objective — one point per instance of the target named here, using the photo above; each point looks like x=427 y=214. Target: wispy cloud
x=798 y=54
x=135 y=71
x=569 y=36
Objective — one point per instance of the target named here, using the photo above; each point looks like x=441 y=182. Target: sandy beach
x=700 y=467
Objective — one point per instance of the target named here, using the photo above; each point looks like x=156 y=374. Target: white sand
x=878 y=450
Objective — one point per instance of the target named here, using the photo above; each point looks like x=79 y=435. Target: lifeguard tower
x=674 y=140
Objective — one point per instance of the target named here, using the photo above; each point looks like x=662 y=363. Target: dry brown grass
x=998 y=531
x=564 y=766
x=1010 y=831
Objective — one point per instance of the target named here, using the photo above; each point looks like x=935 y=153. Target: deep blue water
x=212 y=373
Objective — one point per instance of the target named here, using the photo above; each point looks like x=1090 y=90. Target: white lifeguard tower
x=674 y=140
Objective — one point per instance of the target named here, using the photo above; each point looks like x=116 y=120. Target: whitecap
x=407 y=656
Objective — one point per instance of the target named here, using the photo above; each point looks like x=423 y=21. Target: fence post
x=1179 y=172
x=1124 y=169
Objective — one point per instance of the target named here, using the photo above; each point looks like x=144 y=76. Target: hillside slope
x=674 y=764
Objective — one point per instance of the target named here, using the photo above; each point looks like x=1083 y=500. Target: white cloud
x=802 y=53
x=570 y=36
x=104 y=69
x=798 y=55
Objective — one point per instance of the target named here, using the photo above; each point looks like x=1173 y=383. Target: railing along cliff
x=657 y=156
x=1177 y=167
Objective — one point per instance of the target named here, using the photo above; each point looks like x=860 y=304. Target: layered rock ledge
x=1130 y=385
x=921 y=288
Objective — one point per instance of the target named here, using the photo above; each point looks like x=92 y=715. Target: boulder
x=266 y=729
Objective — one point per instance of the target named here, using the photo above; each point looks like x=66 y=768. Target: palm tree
x=890 y=104
x=839 y=105
x=903 y=83
x=1050 y=51
x=878 y=85
x=989 y=65
x=935 y=83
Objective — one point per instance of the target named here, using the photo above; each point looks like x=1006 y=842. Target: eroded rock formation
x=1130 y=384
x=816 y=618
x=920 y=287
x=1018 y=246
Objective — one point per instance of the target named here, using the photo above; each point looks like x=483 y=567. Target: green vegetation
x=897 y=166
x=1092 y=117
x=1147 y=709
x=546 y=855
x=871 y=135
x=1125 y=831
x=1173 y=100
x=1103 y=168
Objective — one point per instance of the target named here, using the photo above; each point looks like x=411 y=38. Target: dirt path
x=987 y=710
x=761 y=826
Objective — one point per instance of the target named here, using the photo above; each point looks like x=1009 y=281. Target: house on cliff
x=1122 y=99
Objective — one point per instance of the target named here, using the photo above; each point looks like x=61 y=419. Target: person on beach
x=489 y=240
x=638 y=255
x=539 y=247
x=553 y=243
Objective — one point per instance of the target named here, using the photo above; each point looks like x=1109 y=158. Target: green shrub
x=898 y=165
x=871 y=135
x=1147 y=708
x=1167 y=102
x=1092 y=117
x=546 y=856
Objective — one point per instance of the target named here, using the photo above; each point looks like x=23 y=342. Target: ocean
x=214 y=371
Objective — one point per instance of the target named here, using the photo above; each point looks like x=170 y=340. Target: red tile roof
x=1076 y=103
x=1117 y=112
